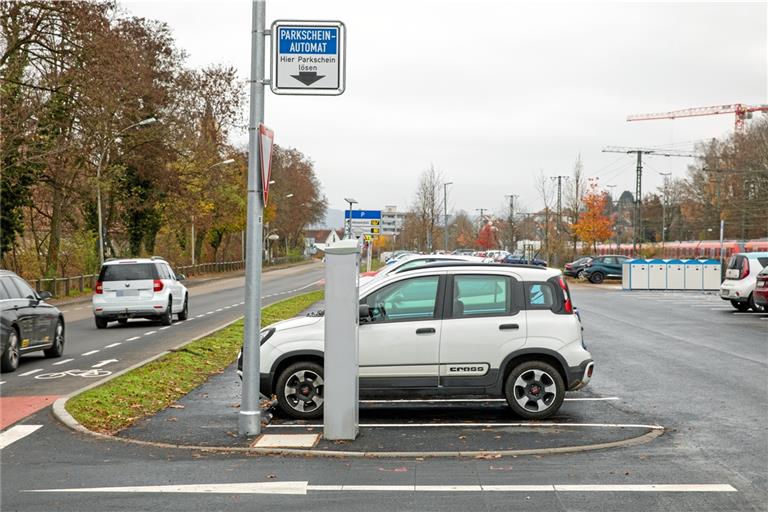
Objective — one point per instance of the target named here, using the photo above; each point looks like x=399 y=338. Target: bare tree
x=546 y=191
x=574 y=193
x=428 y=206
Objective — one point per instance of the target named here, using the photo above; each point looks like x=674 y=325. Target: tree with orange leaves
x=594 y=225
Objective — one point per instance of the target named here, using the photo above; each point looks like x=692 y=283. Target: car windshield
x=128 y=272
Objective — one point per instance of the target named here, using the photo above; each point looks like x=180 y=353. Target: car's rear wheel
x=534 y=390
x=741 y=306
x=57 y=349
x=101 y=323
x=300 y=390
x=10 y=360
x=596 y=277
x=753 y=305
x=167 y=317
x=185 y=310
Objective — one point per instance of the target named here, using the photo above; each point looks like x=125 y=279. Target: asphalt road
x=684 y=361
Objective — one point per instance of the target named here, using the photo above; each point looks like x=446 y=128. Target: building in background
x=391 y=221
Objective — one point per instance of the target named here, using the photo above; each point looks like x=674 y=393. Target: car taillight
x=744 y=268
x=99 y=288
x=568 y=305
x=158 y=285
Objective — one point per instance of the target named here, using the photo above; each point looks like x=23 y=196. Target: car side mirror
x=365 y=312
x=44 y=295
x=181 y=277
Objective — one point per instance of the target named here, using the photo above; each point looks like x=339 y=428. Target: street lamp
x=143 y=122
x=351 y=202
x=445 y=205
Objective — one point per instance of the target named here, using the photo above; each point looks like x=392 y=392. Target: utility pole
x=445 y=208
x=249 y=421
x=511 y=198
x=616 y=224
x=351 y=202
x=559 y=201
x=482 y=211
x=664 y=210
x=637 y=221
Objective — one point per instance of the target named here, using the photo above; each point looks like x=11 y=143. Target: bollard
x=342 y=316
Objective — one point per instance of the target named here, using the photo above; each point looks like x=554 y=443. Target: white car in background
x=741 y=279
x=413 y=261
x=139 y=288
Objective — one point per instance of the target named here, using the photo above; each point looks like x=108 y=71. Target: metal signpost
x=308 y=57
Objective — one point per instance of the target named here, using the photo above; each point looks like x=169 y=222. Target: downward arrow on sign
x=308 y=78
x=104 y=363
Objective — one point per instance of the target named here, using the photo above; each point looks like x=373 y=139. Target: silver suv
x=139 y=288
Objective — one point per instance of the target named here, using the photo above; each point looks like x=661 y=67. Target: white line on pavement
x=166 y=327
x=31 y=372
x=89 y=353
x=62 y=362
x=150 y=332
x=13 y=434
x=200 y=316
x=2 y=382
x=113 y=345
x=104 y=363
x=301 y=488
x=218 y=310
x=134 y=338
x=482 y=425
x=470 y=400
x=209 y=313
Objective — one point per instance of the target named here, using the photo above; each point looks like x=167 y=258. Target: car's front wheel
x=10 y=360
x=57 y=349
x=741 y=306
x=596 y=277
x=300 y=390
x=534 y=390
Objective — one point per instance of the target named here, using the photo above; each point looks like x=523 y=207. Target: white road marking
x=150 y=332
x=113 y=345
x=481 y=425
x=2 y=382
x=200 y=316
x=104 y=363
x=31 y=372
x=63 y=361
x=242 y=303
x=89 y=353
x=13 y=434
x=220 y=309
x=301 y=488
x=166 y=327
x=134 y=338
x=470 y=400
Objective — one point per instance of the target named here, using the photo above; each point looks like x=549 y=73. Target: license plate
x=127 y=293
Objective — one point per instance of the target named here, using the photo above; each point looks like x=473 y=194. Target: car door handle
x=504 y=327
x=425 y=330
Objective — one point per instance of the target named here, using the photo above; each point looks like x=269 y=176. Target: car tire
x=184 y=314
x=741 y=306
x=753 y=305
x=300 y=389
x=596 y=277
x=101 y=323
x=167 y=317
x=10 y=359
x=57 y=349
x=534 y=390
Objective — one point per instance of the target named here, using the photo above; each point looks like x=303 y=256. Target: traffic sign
x=308 y=57
x=266 y=138
x=364 y=222
x=363 y=214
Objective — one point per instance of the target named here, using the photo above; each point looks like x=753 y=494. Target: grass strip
x=158 y=384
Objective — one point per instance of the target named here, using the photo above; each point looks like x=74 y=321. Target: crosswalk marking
x=13 y=434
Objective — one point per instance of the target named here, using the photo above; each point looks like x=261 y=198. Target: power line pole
x=613 y=206
x=482 y=211
x=664 y=210
x=637 y=221
x=249 y=420
x=559 y=201
x=511 y=198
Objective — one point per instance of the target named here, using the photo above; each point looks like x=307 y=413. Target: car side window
x=414 y=264
x=4 y=293
x=539 y=295
x=170 y=273
x=475 y=295
x=609 y=261
x=409 y=300
x=162 y=271
x=24 y=288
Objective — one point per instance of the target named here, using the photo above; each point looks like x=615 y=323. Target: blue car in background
x=517 y=259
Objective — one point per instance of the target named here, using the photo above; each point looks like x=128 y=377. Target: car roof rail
x=157 y=258
x=459 y=263
x=111 y=259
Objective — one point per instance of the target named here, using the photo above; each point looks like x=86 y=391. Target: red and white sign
x=266 y=139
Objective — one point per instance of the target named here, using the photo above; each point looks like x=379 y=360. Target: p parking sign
x=308 y=57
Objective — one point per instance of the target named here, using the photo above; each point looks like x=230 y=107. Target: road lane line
x=220 y=309
x=31 y=372
x=150 y=332
x=104 y=363
x=200 y=316
x=166 y=327
x=134 y=338
x=471 y=400
x=63 y=361
x=113 y=345
x=13 y=434
x=89 y=353
x=483 y=425
x=2 y=382
x=646 y=488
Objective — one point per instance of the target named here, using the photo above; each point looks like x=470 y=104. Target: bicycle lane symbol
x=91 y=373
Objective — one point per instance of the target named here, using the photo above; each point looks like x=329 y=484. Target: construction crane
x=637 y=221
x=742 y=111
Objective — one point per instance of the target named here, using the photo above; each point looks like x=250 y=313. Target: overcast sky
x=492 y=92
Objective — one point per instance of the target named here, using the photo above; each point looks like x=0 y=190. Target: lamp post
x=143 y=122
x=445 y=205
x=351 y=202
x=223 y=162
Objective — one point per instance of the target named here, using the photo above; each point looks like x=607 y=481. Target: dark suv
x=604 y=267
